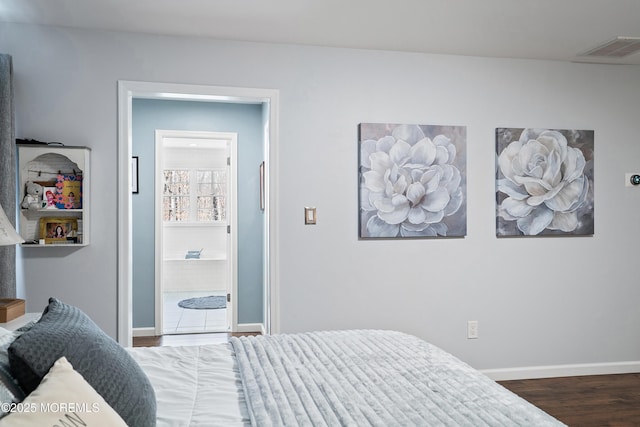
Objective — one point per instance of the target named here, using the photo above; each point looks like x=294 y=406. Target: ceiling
x=536 y=29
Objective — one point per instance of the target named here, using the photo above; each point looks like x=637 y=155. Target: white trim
x=553 y=371
x=127 y=90
x=144 y=332
x=125 y=239
x=251 y=327
x=232 y=220
x=159 y=235
x=271 y=317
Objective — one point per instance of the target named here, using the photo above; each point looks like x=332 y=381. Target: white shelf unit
x=221 y=257
x=42 y=164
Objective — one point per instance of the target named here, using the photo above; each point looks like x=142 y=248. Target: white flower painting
x=412 y=181
x=544 y=182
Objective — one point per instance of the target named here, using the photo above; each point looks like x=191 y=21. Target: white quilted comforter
x=362 y=378
x=195 y=385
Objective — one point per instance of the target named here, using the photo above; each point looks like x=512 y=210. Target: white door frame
x=231 y=213
x=127 y=90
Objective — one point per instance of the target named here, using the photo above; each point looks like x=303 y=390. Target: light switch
x=310 y=215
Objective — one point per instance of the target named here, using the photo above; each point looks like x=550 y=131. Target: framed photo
x=134 y=174
x=59 y=230
x=69 y=191
x=49 y=197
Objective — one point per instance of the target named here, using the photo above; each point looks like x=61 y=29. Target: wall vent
x=616 y=48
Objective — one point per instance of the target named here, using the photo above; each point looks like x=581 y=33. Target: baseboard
x=553 y=371
x=250 y=327
x=144 y=332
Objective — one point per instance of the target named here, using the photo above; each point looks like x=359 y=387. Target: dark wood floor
x=585 y=401
x=187 y=339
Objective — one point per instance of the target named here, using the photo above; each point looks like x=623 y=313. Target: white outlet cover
x=472 y=329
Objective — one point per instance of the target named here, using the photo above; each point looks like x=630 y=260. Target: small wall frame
x=59 y=230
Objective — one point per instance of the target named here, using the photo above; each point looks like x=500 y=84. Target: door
x=196 y=241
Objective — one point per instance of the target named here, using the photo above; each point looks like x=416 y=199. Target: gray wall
x=244 y=119
x=539 y=301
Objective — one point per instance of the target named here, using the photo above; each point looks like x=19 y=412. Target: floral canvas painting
x=544 y=182
x=412 y=181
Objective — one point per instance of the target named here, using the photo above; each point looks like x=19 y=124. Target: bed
x=332 y=378
x=335 y=378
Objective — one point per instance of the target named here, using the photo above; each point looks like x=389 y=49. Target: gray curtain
x=7 y=174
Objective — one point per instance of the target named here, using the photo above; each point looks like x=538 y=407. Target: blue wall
x=246 y=121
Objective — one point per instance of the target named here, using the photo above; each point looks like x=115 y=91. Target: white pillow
x=63 y=398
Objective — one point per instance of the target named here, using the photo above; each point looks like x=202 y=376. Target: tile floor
x=178 y=320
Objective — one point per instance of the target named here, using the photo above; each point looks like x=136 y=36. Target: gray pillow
x=9 y=390
x=64 y=330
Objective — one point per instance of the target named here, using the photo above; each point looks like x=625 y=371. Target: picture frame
x=49 y=197
x=58 y=230
x=553 y=193
x=69 y=191
x=134 y=174
x=412 y=181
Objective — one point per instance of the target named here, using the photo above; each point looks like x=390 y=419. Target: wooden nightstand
x=20 y=321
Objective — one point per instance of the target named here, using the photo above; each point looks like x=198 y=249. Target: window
x=180 y=203
x=212 y=186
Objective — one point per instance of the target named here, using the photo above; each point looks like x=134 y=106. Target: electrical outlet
x=472 y=329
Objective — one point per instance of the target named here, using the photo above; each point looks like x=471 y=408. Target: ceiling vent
x=616 y=48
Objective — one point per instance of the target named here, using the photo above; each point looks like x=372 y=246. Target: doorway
x=268 y=98
x=196 y=231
